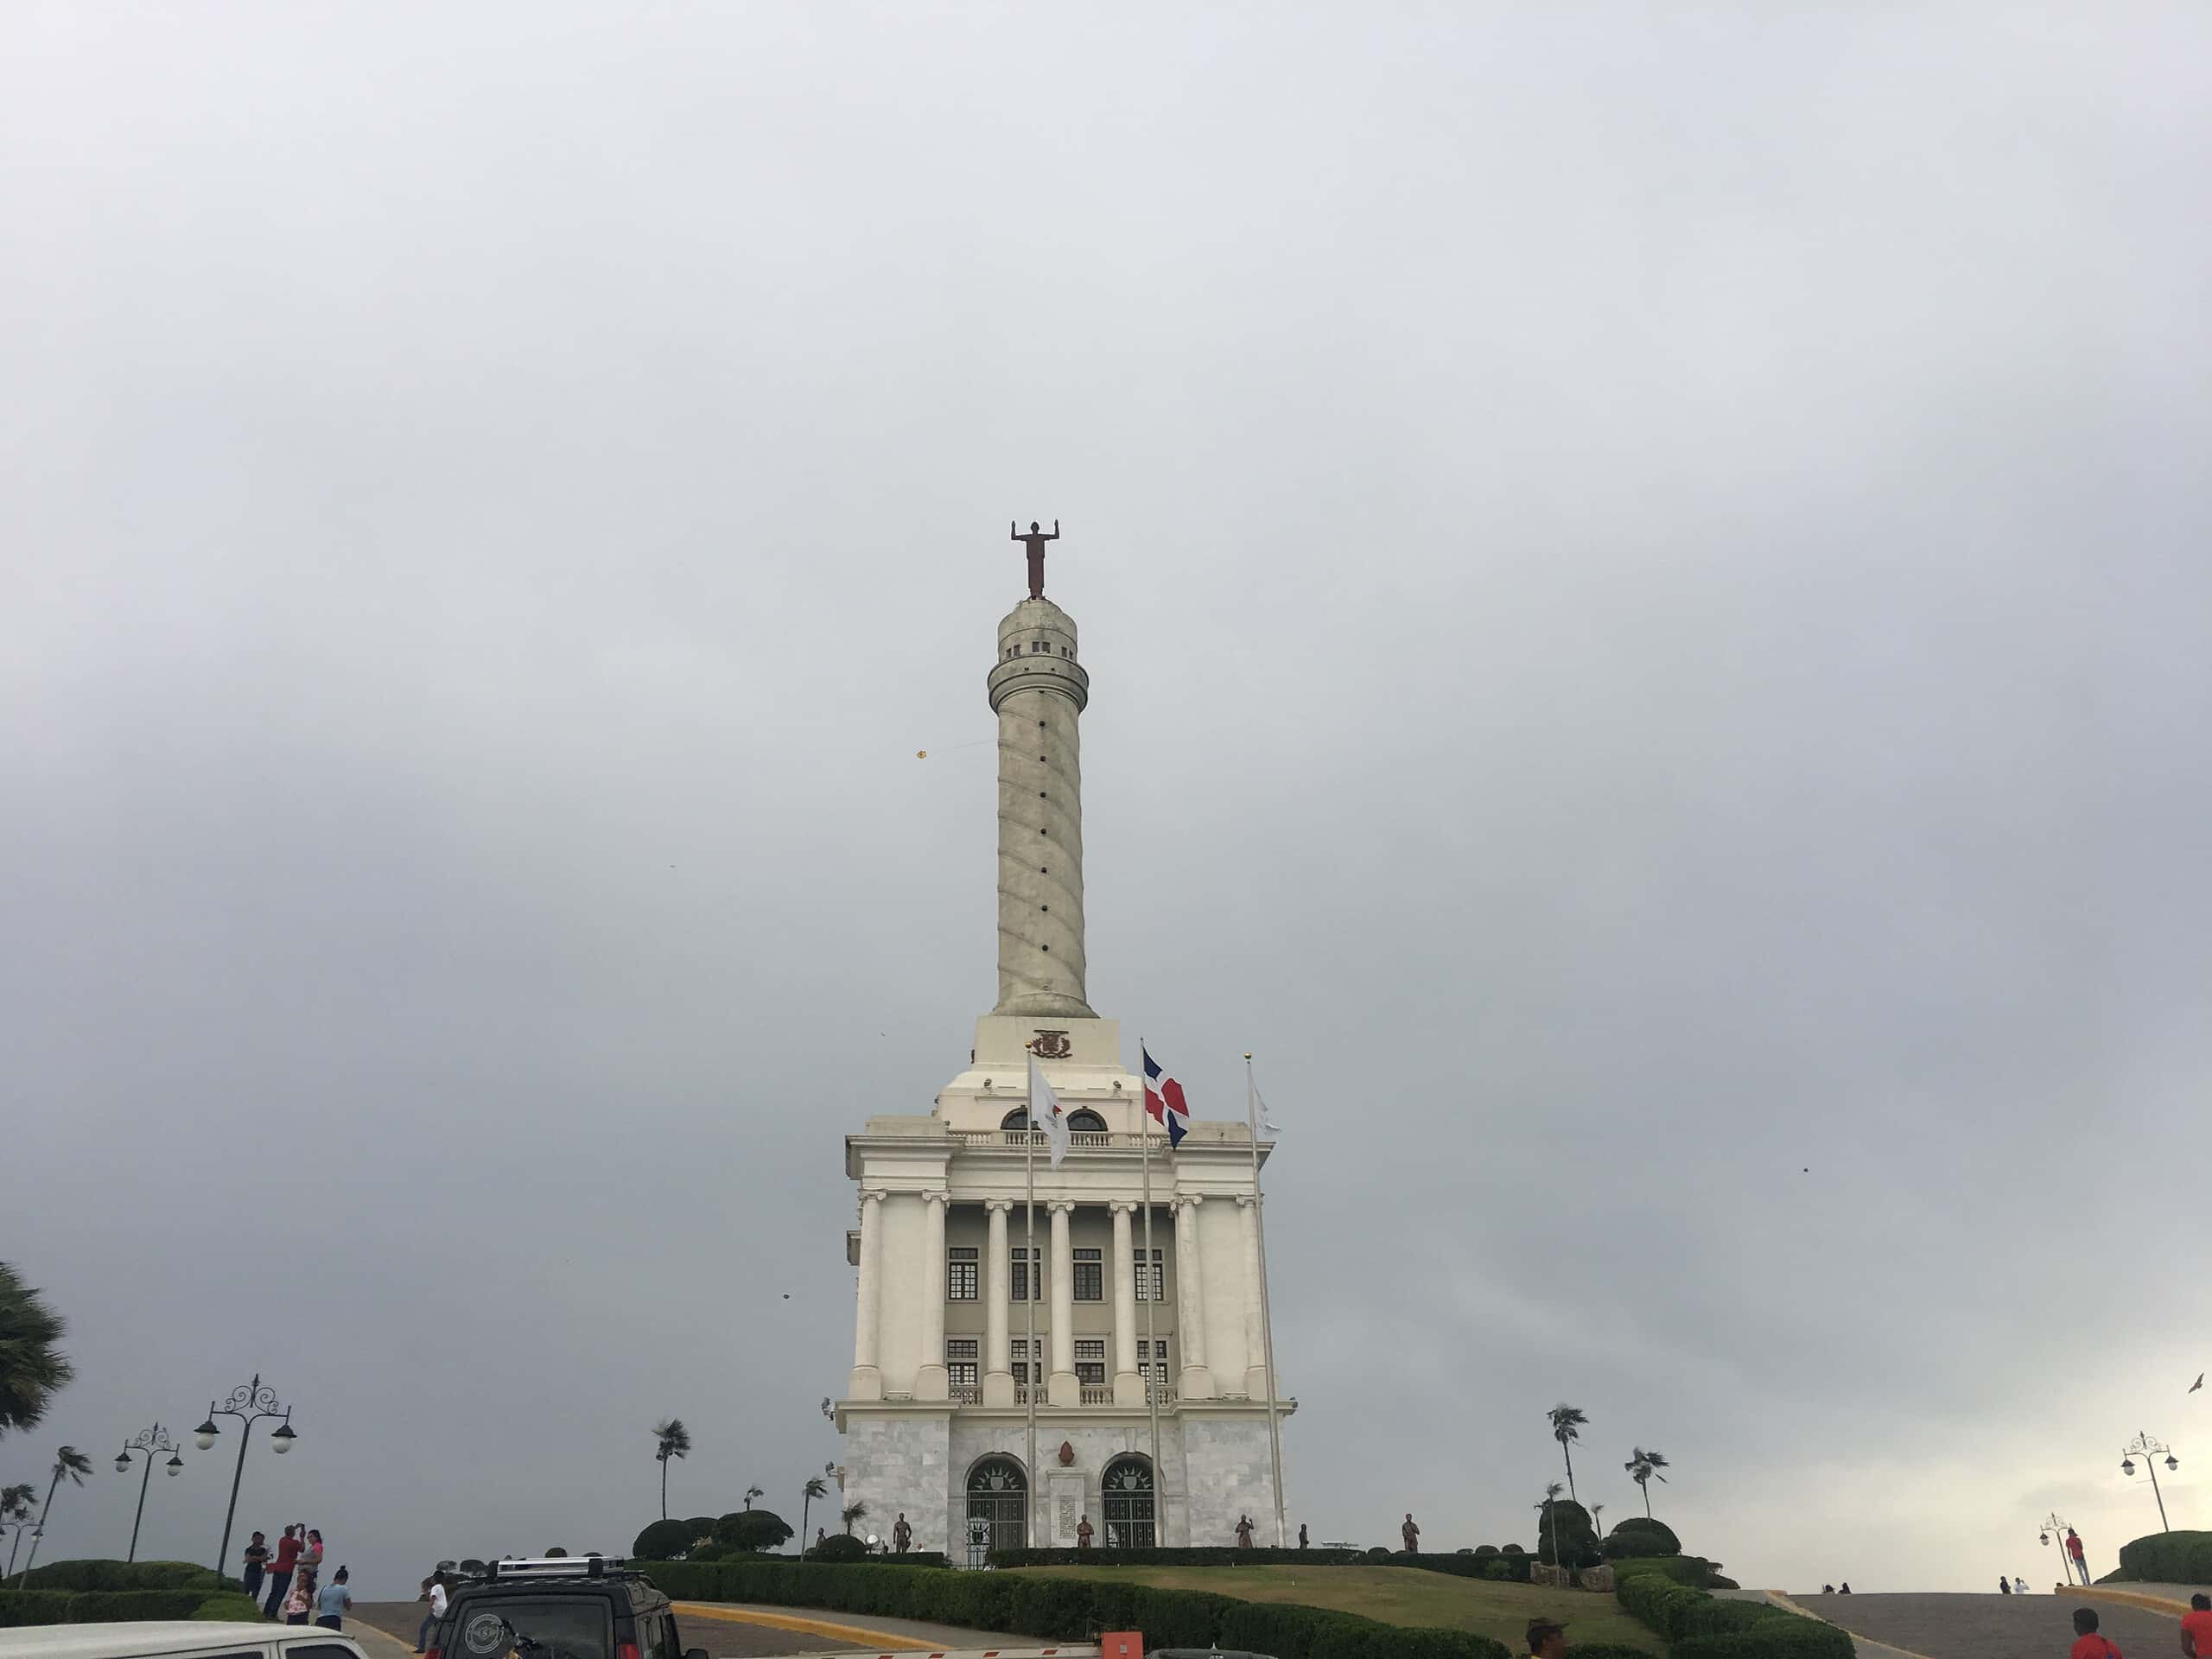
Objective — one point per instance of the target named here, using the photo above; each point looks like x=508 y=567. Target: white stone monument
x=945 y=1376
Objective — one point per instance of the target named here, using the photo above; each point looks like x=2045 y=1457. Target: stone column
x=998 y=1357
x=1197 y=1382
x=1061 y=1389
x=867 y=1382
x=1255 y=1352
x=1128 y=1385
x=930 y=1373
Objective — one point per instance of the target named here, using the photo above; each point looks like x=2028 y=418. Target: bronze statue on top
x=1034 y=541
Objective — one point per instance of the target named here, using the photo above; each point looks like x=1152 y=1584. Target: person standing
x=2087 y=1644
x=332 y=1601
x=257 y=1566
x=2003 y=1585
x=1411 y=1533
x=2074 y=1553
x=280 y=1574
x=297 y=1600
x=2019 y=1586
x=310 y=1560
x=434 y=1591
x=2197 y=1628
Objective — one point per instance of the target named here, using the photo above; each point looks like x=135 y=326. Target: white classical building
x=936 y=1414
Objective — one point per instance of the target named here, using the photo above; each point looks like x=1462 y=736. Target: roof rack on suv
x=559 y=1567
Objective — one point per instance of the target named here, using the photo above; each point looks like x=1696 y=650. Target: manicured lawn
x=1400 y=1595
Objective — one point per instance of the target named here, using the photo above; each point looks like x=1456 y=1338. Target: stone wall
x=1095 y=1447
x=895 y=1464
x=1231 y=1471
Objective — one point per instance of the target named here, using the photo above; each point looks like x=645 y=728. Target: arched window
x=996 y=1491
x=1125 y=1494
x=1089 y=1121
x=1016 y=1119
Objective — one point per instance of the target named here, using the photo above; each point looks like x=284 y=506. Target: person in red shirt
x=2197 y=1628
x=2073 y=1549
x=2087 y=1644
x=280 y=1570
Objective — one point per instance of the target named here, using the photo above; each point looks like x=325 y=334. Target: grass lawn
x=1399 y=1595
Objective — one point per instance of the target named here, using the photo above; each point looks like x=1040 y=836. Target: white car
x=176 y=1639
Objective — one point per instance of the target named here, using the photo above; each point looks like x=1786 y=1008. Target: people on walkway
x=1411 y=1533
x=297 y=1600
x=2197 y=1628
x=311 y=1553
x=2087 y=1644
x=257 y=1566
x=1546 y=1639
x=1828 y=1589
x=2019 y=1586
x=2074 y=1554
x=2003 y=1585
x=332 y=1601
x=280 y=1574
x=1845 y=1588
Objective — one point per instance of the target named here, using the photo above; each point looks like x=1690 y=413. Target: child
x=295 y=1602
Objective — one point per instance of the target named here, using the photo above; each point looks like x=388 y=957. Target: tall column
x=998 y=1379
x=867 y=1382
x=1038 y=690
x=929 y=1368
x=1128 y=1386
x=1256 y=1353
x=1190 y=1302
x=1062 y=1390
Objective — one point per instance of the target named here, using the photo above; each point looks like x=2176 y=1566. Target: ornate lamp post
x=2053 y=1529
x=249 y=1402
x=145 y=1443
x=2150 y=1451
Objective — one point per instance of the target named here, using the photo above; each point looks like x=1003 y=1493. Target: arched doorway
x=1125 y=1495
x=997 y=1489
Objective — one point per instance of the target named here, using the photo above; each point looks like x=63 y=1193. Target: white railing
x=1096 y=1394
x=967 y=1394
x=1020 y=1138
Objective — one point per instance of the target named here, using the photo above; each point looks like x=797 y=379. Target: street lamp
x=2052 y=1529
x=2150 y=1451
x=249 y=1402
x=145 y=1443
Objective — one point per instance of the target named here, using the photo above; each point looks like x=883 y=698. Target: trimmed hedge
x=1692 y=1570
x=2168 y=1558
x=19 y=1607
x=1467 y=1564
x=1699 y=1626
x=127 y=1575
x=241 y=1609
x=1068 y=1610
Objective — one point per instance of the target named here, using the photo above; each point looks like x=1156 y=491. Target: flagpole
x=1151 y=1337
x=1029 y=1362
x=1267 y=1330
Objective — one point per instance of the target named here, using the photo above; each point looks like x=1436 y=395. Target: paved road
x=1992 y=1626
x=722 y=1638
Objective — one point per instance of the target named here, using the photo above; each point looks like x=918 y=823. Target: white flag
x=1261 y=1123
x=1045 y=1112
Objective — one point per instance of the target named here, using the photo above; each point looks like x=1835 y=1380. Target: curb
x=2133 y=1599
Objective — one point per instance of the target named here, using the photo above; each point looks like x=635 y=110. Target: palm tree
x=1597 y=1525
x=76 y=1466
x=1642 y=1466
x=31 y=1367
x=1565 y=1421
x=675 y=1442
x=752 y=1492
x=854 y=1513
x=815 y=1487
x=1549 y=1510
x=15 y=1511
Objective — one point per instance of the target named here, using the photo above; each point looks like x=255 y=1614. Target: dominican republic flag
x=1163 y=1100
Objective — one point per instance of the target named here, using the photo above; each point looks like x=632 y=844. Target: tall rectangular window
x=1019 y=1349
x=1091 y=1276
x=960 y=1275
x=1149 y=1279
x=960 y=1360
x=1091 y=1360
x=1152 y=1359
x=1019 y=1286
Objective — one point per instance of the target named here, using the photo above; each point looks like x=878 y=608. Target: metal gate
x=997 y=1493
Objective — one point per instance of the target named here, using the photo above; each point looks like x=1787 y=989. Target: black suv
x=559 y=1608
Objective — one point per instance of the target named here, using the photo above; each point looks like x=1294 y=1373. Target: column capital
x=1189 y=1200
x=1246 y=1200
x=998 y=1206
x=1061 y=1206
x=936 y=1197
x=1123 y=1207
x=873 y=1195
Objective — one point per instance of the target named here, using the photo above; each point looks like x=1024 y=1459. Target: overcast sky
x=1644 y=576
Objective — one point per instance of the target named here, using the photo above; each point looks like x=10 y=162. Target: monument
x=1146 y=1383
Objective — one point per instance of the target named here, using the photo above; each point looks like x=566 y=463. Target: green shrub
x=753 y=1530
x=1498 y=1570
x=1485 y=1549
x=126 y=1575
x=1692 y=1570
x=2169 y=1558
x=1699 y=1626
x=1204 y=1555
x=229 y=1606
x=35 y=1606
x=1606 y=1650
x=1569 y=1523
x=1649 y=1537
x=664 y=1540
x=839 y=1546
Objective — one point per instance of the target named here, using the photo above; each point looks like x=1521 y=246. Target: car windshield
x=563 y=1627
